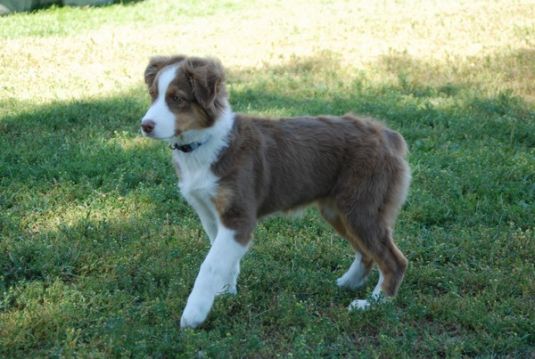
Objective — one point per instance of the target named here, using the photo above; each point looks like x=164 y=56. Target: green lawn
x=98 y=252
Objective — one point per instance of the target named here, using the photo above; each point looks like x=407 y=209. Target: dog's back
x=296 y=161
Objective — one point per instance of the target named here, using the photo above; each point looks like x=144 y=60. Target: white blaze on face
x=159 y=112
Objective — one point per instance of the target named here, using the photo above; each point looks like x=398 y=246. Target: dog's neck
x=212 y=141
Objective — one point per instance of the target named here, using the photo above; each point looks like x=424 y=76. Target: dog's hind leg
x=375 y=239
x=357 y=274
x=369 y=202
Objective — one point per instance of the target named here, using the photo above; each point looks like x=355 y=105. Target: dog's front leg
x=208 y=219
x=217 y=271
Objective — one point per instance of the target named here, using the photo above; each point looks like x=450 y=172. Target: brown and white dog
x=234 y=169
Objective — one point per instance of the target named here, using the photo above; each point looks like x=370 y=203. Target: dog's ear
x=157 y=63
x=207 y=78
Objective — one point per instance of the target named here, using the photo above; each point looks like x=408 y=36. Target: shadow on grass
x=72 y=142
x=469 y=152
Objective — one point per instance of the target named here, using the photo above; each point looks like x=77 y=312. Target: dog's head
x=188 y=93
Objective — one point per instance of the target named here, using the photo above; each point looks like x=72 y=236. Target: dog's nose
x=148 y=126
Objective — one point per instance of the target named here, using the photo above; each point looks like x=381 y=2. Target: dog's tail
x=396 y=141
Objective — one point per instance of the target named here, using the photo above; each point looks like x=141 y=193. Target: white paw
x=351 y=282
x=359 y=304
x=192 y=319
x=194 y=314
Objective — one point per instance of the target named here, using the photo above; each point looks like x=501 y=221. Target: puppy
x=234 y=169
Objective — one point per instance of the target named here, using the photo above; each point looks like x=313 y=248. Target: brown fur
x=351 y=163
x=352 y=166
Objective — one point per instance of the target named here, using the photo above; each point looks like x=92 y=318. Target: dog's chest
x=196 y=183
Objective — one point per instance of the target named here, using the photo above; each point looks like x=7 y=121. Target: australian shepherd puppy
x=234 y=169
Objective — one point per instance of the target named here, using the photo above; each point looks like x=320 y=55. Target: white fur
x=197 y=183
x=217 y=273
x=214 y=139
x=377 y=296
x=355 y=276
x=159 y=112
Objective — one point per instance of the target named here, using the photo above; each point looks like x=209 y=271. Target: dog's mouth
x=153 y=136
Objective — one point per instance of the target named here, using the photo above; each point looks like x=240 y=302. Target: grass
x=98 y=251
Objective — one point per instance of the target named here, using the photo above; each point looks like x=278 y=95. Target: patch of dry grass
x=474 y=41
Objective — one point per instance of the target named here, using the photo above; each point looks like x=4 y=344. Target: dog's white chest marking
x=198 y=188
x=198 y=184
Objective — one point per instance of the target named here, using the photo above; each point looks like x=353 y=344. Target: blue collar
x=190 y=147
